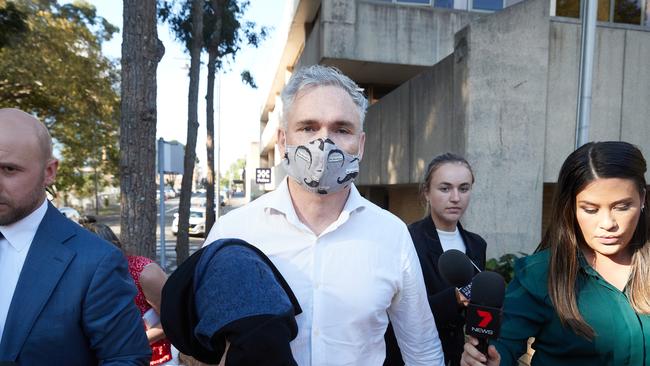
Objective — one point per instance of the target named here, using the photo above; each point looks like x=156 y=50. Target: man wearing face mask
x=351 y=264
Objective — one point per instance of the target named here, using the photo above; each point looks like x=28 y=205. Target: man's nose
x=323 y=133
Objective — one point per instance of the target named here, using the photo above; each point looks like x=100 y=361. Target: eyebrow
x=340 y=123
x=306 y=122
x=450 y=184
x=623 y=200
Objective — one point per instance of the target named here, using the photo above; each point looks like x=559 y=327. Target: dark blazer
x=449 y=316
x=73 y=303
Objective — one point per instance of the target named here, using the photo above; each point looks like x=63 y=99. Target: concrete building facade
x=499 y=88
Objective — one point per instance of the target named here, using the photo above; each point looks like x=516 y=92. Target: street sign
x=263 y=175
x=173 y=156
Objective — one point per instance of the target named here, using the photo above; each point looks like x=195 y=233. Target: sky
x=240 y=104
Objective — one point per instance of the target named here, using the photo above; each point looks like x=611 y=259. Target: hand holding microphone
x=483 y=319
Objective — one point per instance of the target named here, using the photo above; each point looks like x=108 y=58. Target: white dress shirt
x=348 y=280
x=13 y=251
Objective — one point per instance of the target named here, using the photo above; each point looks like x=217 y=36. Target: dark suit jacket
x=73 y=303
x=449 y=316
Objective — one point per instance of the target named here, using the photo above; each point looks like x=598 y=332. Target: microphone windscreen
x=455 y=268
x=488 y=289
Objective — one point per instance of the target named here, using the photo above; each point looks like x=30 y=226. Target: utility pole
x=589 y=14
x=218 y=141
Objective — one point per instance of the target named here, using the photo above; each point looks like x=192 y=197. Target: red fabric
x=161 y=350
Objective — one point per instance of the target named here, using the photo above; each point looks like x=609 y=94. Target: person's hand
x=462 y=300
x=472 y=357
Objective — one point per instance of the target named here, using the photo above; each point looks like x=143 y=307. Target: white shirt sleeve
x=411 y=316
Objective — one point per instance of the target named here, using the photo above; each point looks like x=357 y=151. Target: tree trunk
x=141 y=52
x=213 y=54
x=182 y=240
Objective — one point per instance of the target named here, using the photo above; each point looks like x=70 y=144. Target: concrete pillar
x=501 y=82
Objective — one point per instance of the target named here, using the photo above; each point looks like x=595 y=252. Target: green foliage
x=233 y=172
x=58 y=73
x=234 y=31
x=13 y=24
x=505 y=265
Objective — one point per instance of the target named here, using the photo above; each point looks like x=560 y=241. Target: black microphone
x=457 y=270
x=483 y=319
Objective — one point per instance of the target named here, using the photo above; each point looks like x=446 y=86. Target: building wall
x=378 y=42
x=404 y=201
x=409 y=126
x=506 y=64
x=620 y=93
x=389 y=33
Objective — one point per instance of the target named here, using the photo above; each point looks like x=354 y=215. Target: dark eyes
x=621 y=207
x=461 y=189
x=341 y=130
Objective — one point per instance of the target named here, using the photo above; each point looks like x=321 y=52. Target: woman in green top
x=585 y=294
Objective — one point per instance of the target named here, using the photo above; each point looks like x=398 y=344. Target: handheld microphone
x=458 y=270
x=483 y=319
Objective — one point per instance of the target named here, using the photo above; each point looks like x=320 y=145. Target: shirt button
x=316 y=332
x=317 y=285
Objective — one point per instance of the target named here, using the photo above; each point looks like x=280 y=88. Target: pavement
x=111 y=217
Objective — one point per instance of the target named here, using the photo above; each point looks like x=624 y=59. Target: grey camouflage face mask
x=320 y=166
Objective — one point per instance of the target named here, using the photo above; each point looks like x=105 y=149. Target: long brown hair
x=104 y=232
x=610 y=159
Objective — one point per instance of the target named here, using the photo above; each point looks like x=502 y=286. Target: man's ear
x=362 y=144
x=51 y=167
x=282 y=141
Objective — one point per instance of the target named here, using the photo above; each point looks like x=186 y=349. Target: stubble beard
x=18 y=212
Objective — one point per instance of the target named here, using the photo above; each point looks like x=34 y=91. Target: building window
x=627 y=11
x=448 y=4
x=419 y=2
x=488 y=5
x=481 y=5
x=615 y=11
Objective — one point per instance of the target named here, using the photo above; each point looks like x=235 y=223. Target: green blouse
x=622 y=336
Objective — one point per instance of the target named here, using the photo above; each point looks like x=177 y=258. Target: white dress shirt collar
x=281 y=202
x=21 y=233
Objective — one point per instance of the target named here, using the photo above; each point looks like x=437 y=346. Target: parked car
x=70 y=213
x=199 y=200
x=170 y=193
x=197 y=222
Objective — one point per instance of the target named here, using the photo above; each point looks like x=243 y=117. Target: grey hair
x=318 y=75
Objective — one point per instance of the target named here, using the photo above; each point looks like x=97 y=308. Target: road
x=112 y=219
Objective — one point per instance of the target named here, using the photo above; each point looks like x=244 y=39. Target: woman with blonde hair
x=446 y=191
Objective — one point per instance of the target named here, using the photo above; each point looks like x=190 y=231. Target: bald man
x=66 y=297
